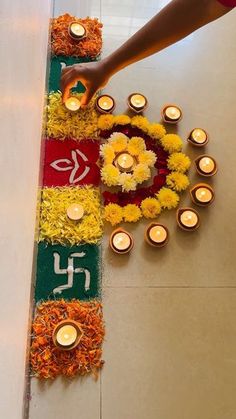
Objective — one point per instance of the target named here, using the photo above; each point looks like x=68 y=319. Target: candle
x=198 y=137
x=75 y=212
x=137 y=102
x=202 y=194
x=67 y=334
x=72 y=104
x=77 y=31
x=121 y=241
x=188 y=219
x=171 y=114
x=157 y=235
x=206 y=165
x=105 y=104
x=125 y=162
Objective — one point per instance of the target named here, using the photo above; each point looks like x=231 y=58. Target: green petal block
x=56 y=65
x=67 y=272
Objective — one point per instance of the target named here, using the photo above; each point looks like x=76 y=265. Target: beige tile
x=70 y=399
x=170 y=354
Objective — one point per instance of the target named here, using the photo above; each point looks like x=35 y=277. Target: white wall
x=23 y=47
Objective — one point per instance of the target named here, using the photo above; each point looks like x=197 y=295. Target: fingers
x=87 y=96
x=68 y=79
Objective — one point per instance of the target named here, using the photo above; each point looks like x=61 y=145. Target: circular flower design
x=152 y=147
x=126 y=161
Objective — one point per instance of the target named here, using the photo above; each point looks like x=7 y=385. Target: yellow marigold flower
x=147 y=157
x=150 y=207
x=171 y=143
x=140 y=122
x=179 y=162
x=122 y=119
x=118 y=141
x=177 y=181
x=136 y=145
x=110 y=175
x=105 y=122
x=107 y=153
x=156 y=131
x=168 y=198
x=132 y=213
x=113 y=213
x=127 y=182
x=141 y=173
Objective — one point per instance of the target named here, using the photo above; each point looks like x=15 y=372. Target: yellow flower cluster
x=171 y=143
x=179 y=162
x=177 y=181
x=115 y=214
x=62 y=123
x=144 y=160
x=57 y=228
x=168 y=199
x=150 y=207
x=156 y=131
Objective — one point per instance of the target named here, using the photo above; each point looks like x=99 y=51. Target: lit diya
x=105 y=104
x=202 y=194
x=125 y=162
x=72 y=104
x=206 y=165
x=198 y=137
x=171 y=114
x=188 y=219
x=75 y=212
x=121 y=241
x=137 y=102
x=77 y=31
x=157 y=235
x=67 y=335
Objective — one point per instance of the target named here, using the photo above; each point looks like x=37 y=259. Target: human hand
x=92 y=75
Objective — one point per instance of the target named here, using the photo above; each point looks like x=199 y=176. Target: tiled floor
x=170 y=314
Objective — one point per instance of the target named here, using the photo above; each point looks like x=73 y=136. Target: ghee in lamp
x=198 y=137
x=202 y=194
x=206 y=165
x=137 y=102
x=188 y=219
x=121 y=241
x=72 y=104
x=157 y=235
x=77 y=31
x=171 y=114
x=75 y=212
x=125 y=162
x=67 y=334
x=105 y=104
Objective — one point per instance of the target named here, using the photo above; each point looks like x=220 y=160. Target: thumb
x=89 y=93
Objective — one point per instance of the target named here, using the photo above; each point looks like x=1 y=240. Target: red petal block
x=71 y=163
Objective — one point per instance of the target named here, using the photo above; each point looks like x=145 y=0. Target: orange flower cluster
x=63 y=44
x=47 y=361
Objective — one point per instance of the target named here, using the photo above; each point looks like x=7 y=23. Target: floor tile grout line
x=169 y=287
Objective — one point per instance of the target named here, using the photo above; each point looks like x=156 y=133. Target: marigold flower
x=110 y=175
x=168 y=198
x=136 y=145
x=113 y=213
x=156 y=131
x=118 y=141
x=177 y=181
x=127 y=182
x=141 y=173
x=179 y=162
x=147 y=157
x=140 y=122
x=122 y=119
x=107 y=153
x=105 y=122
x=171 y=143
x=150 y=207
x=132 y=213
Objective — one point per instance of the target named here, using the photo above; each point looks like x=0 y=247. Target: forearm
x=175 y=21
